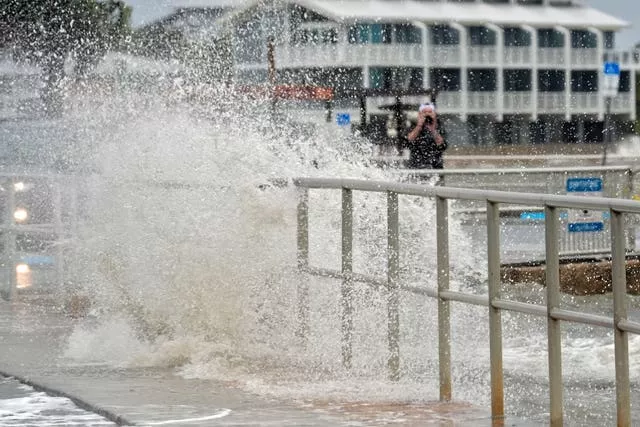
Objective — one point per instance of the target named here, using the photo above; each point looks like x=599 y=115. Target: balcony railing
x=523 y=103
x=518 y=102
x=449 y=102
x=446 y=55
x=551 y=57
x=552 y=102
x=585 y=58
x=585 y=102
x=483 y=55
x=621 y=103
x=483 y=102
x=412 y=55
x=517 y=55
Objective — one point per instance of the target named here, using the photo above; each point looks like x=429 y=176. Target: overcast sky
x=149 y=10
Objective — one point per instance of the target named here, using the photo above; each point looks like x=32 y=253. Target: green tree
x=48 y=32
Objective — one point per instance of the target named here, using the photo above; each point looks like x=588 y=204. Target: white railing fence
x=618 y=321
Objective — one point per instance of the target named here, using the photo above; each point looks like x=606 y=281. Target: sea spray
x=187 y=243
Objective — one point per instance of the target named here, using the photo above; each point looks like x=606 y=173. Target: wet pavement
x=32 y=338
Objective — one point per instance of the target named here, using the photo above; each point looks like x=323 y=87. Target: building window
x=405 y=33
x=584 y=81
x=444 y=35
x=517 y=80
x=625 y=81
x=482 y=80
x=381 y=33
x=551 y=80
x=550 y=38
x=516 y=37
x=481 y=36
x=303 y=36
x=359 y=34
x=609 y=40
x=445 y=79
x=583 y=39
x=395 y=78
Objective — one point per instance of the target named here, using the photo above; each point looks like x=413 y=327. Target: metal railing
x=618 y=182
x=619 y=322
x=59 y=207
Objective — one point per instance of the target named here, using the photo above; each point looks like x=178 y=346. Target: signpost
x=343 y=119
x=611 y=82
x=585 y=220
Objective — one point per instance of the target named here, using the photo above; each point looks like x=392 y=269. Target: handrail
x=558 y=201
x=493 y=198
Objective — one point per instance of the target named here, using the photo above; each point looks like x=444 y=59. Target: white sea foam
x=21 y=405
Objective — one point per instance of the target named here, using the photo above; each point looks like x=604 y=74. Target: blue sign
x=584 y=185
x=585 y=220
x=611 y=69
x=37 y=260
x=586 y=226
x=343 y=119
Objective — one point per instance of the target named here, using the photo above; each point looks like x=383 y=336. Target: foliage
x=48 y=32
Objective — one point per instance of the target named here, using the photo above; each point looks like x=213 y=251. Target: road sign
x=611 y=80
x=585 y=220
x=343 y=119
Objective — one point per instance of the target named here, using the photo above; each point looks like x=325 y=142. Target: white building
x=507 y=70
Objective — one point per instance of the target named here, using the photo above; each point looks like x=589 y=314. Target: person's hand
x=430 y=118
x=422 y=118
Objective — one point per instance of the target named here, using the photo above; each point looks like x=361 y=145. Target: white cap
x=427 y=106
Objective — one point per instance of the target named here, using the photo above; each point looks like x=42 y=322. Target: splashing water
x=188 y=252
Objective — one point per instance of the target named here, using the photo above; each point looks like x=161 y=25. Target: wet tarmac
x=32 y=336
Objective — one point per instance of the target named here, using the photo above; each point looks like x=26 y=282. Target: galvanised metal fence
x=617 y=182
x=618 y=321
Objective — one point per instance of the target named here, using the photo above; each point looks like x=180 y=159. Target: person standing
x=427 y=140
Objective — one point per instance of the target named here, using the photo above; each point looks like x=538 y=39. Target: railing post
x=495 y=318
x=10 y=239
x=444 y=314
x=347 y=269
x=554 y=337
x=303 y=262
x=59 y=232
x=393 y=275
x=628 y=194
x=621 y=341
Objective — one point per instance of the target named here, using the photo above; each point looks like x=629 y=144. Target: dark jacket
x=424 y=152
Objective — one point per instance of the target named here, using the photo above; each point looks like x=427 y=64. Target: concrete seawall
x=577 y=277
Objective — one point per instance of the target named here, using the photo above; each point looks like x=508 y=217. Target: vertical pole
x=10 y=240
x=347 y=269
x=328 y=110
x=393 y=275
x=303 y=263
x=59 y=232
x=607 y=134
x=271 y=62
x=631 y=222
x=495 y=318
x=553 y=325
x=444 y=313
x=399 y=119
x=621 y=340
